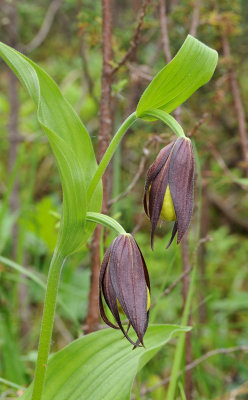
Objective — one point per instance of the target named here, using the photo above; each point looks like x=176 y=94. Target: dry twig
x=227 y=210
x=195 y=128
x=195 y=18
x=197 y=362
x=139 y=171
x=224 y=167
x=87 y=75
x=164 y=31
x=166 y=43
x=45 y=27
x=105 y=129
x=187 y=271
x=135 y=40
x=238 y=104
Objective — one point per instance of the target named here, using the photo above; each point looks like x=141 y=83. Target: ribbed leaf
x=192 y=67
x=101 y=365
x=71 y=146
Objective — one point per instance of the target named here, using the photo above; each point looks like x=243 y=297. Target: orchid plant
x=101 y=365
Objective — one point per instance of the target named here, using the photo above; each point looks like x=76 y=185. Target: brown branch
x=138 y=224
x=195 y=18
x=169 y=289
x=166 y=44
x=45 y=28
x=228 y=211
x=87 y=75
x=238 y=104
x=195 y=128
x=135 y=40
x=135 y=179
x=164 y=31
x=172 y=286
x=197 y=362
x=105 y=128
x=139 y=171
x=224 y=167
x=140 y=72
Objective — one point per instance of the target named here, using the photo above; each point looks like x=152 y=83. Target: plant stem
x=181 y=341
x=166 y=119
x=109 y=153
x=11 y=384
x=106 y=221
x=47 y=323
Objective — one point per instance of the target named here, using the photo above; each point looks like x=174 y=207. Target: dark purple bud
x=124 y=282
x=169 y=188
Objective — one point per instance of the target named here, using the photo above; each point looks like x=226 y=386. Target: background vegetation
x=69 y=49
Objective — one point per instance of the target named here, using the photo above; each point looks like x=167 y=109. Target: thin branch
x=215 y=352
x=164 y=31
x=195 y=18
x=135 y=179
x=224 y=167
x=140 y=72
x=45 y=28
x=139 y=224
x=166 y=44
x=227 y=210
x=87 y=75
x=105 y=129
x=197 y=362
x=187 y=271
x=195 y=128
x=139 y=171
x=135 y=40
x=199 y=244
x=238 y=104
x=169 y=289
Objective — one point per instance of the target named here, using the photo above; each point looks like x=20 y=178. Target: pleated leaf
x=70 y=144
x=101 y=365
x=192 y=67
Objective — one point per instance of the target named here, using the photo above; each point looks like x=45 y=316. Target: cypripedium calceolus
x=125 y=286
x=169 y=188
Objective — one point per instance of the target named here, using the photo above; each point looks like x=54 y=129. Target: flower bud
x=124 y=285
x=169 y=188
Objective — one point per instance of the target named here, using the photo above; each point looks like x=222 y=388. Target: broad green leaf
x=101 y=365
x=192 y=67
x=71 y=146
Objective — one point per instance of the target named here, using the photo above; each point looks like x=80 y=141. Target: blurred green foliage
x=220 y=307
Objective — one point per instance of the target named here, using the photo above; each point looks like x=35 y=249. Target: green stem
x=105 y=220
x=166 y=119
x=47 y=323
x=109 y=153
x=180 y=345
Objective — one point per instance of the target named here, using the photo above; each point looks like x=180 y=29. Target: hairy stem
x=47 y=323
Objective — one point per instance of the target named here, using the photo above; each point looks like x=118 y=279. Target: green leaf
x=101 y=365
x=71 y=146
x=192 y=67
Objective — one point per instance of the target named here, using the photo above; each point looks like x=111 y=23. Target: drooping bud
x=124 y=284
x=169 y=187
